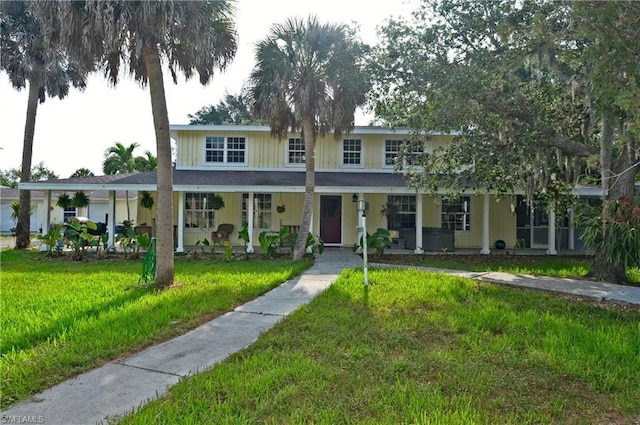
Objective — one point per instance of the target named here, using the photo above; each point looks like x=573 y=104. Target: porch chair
x=222 y=233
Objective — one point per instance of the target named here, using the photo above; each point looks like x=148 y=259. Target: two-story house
x=262 y=182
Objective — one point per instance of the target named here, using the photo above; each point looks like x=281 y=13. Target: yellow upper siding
x=265 y=151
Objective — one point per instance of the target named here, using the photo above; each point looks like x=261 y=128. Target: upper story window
x=225 y=150
x=352 y=152
x=295 y=151
x=456 y=214
x=393 y=148
x=262 y=210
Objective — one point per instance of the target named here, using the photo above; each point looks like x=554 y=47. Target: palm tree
x=82 y=172
x=30 y=58
x=191 y=36
x=148 y=162
x=15 y=210
x=308 y=76
x=119 y=159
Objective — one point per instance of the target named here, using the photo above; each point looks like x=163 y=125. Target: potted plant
x=217 y=202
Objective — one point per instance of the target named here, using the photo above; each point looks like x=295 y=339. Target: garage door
x=6 y=223
x=98 y=211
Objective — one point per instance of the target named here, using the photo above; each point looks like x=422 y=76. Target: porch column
x=485 y=225
x=47 y=211
x=111 y=221
x=180 y=224
x=419 y=249
x=551 y=247
x=572 y=231
x=250 y=222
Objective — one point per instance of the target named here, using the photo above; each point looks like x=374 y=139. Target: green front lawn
x=59 y=317
x=426 y=349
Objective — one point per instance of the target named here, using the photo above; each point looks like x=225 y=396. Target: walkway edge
x=599 y=291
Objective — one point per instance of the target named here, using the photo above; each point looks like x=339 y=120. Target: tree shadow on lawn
x=62 y=325
x=155 y=321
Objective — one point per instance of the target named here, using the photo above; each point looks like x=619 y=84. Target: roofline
x=579 y=191
x=66 y=187
x=359 y=129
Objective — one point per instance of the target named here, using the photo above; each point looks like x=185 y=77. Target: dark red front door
x=331 y=219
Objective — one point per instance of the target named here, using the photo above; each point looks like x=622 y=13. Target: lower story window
x=403 y=215
x=198 y=210
x=262 y=210
x=456 y=214
x=69 y=213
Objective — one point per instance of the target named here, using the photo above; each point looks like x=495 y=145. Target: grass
x=538 y=265
x=426 y=349
x=59 y=318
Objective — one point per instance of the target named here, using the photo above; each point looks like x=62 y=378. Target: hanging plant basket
x=280 y=208
x=217 y=202
x=64 y=200
x=146 y=200
x=80 y=200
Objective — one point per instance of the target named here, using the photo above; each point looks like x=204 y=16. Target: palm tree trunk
x=23 y=231
x=310 y=185
x=164 y=211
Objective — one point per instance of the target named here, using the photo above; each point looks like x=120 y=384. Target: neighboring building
x=7 y=196
x=96 y=210
x=262 y=181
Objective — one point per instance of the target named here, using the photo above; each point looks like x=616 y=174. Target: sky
x=75 y=132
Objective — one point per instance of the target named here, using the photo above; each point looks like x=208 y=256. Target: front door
x=331 y=219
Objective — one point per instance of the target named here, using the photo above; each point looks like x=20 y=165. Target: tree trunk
x=164 y=210
x=23 y=230
x=126 y=199
x=309 y=138
x=618 y=180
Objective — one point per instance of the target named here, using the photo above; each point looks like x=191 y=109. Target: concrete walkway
x=121 y=386
x=600 y=291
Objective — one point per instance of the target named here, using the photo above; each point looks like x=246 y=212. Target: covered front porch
x=270 y=200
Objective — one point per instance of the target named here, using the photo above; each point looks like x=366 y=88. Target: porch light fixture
x=363 y=206
x=354 y=198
